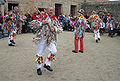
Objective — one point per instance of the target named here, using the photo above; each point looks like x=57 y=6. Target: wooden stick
x=12 y=13
x=44 y=19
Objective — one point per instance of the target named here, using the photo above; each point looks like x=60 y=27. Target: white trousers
x=40 y=51
x=97 y=34
x=11 y=36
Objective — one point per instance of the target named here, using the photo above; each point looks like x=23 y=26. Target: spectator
x=61 y=17
x=63 y=24
x=88 y=23
x=70 y=26
x=102 y=26
x=28 y=19
x=1 y=24
x=21 y=23
x=66 y=18
x=1 y=18
x=87 y=16
x=111 y=28
x=5 y=12
x=104 y=17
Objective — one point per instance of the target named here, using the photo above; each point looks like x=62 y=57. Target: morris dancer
x=12 y=20
x=95 y=25
x=80 y=25
x=47 y=31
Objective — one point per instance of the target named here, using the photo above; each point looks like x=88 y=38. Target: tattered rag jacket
x=80 y=26
x=95 y=21
x=44 y=30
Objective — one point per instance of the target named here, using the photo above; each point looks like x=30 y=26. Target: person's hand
x=52 y=29
x=44 y=22
x=12 y=17
x=30 y=22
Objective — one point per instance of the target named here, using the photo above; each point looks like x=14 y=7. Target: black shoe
x=80 y=51
x=74 y=51
x=96 y=41
x=48 y=67
x=11 y=45
x=12 y=41
x=39 y=72
x=99 y=39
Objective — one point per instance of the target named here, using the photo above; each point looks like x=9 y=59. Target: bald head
x=50 y=10
x=94 y=12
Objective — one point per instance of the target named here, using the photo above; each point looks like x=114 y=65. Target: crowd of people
x=107 y=22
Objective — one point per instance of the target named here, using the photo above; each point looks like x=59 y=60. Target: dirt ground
x=99 y=62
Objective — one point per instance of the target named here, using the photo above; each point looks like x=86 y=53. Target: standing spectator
x=24 y=22
x=87 y=16
x=88 y=23
x=102 y=26
x=1 y=24
x=1 y=20
x=104 y=17
x=21 y=23
x=66 y=18
x=61 y=17
x=108 y=21
x=63 y=24
x=111 y=27
x=5 y=12
x=28 y=19
x=58 y=18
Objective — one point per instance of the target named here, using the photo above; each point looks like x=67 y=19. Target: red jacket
x=53 y=17
x=34 y=16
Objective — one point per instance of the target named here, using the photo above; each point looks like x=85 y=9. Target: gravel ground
x=99 y=62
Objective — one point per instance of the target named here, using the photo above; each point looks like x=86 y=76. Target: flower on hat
x=81 y=11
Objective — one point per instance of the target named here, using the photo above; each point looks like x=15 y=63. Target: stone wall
x=28 y=5
x=112 y=7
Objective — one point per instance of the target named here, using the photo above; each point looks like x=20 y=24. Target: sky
x=114 y=0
